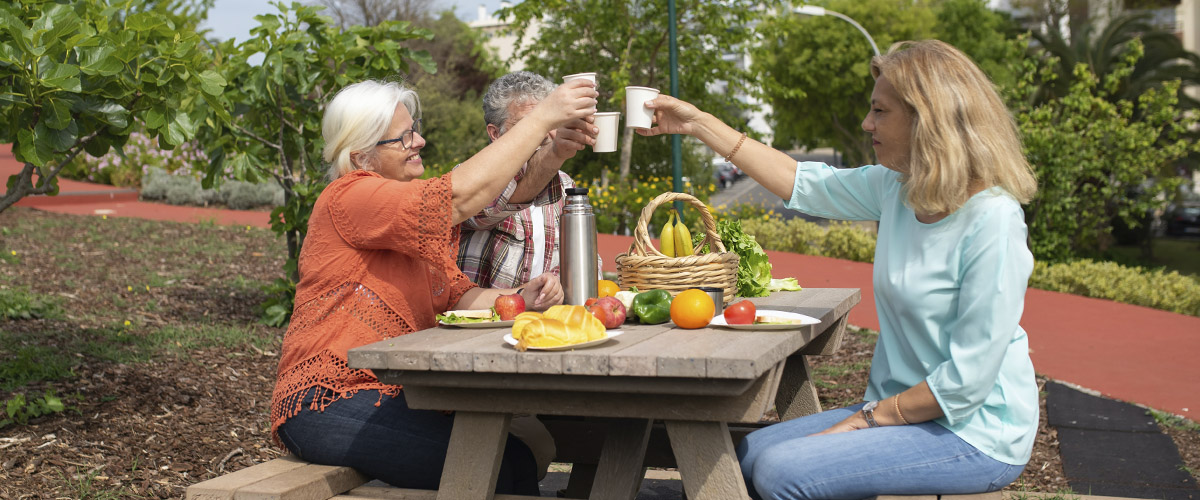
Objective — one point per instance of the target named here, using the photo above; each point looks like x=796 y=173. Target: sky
x=234 y=18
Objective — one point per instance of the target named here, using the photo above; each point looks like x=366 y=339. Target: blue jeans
x=783 y=462
x=393 y=443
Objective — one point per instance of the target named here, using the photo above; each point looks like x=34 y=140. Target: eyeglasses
x=405 y=139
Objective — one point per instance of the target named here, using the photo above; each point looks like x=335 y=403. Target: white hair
x=358 y=117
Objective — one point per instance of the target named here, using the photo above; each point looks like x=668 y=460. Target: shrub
x=840 y=240
x=1169 y=291
x=183 y=190
x=136 y=159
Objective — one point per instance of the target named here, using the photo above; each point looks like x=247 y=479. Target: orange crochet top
x=378 y=261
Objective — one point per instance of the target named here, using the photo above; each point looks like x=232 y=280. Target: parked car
x=725 y=173
x=1183 y=218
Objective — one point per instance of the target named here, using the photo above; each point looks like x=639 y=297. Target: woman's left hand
x=542 y=292
x=852 y=423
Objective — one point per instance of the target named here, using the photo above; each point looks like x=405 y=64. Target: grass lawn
x=1173 y=254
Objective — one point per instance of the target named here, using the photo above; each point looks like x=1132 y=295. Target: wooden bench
x=290 y=478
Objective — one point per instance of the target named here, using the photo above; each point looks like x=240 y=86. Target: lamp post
x=813 y=10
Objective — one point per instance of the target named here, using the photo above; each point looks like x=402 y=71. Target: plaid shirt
x=493 y=251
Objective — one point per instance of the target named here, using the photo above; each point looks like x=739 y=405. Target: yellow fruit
x=683 y=239
x=666 y=239
x=692 y=308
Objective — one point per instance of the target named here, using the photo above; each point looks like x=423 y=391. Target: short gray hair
x=358 y=117
x=518 y=87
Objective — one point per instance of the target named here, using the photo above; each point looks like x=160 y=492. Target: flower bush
x=127 y=167
x=618 y=208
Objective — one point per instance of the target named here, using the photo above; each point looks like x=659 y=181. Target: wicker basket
x=648 y=269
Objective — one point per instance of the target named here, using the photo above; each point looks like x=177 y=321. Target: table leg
x=621 y=469
x=579 y=484
x=474 y=456
x=797 y=395
x=707 y=462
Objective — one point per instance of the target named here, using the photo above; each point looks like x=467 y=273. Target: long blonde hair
x=962 y=134
x=358 y=116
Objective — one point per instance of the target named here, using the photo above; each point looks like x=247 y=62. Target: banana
x=683 y=239
x=667 y=237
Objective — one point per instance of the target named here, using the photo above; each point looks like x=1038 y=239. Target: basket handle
x=641 y=235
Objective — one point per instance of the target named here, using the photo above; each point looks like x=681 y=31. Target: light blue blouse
x=949 y=297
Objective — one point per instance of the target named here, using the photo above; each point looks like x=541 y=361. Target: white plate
x=485 y=324
x=719 y=320
x=611 y=333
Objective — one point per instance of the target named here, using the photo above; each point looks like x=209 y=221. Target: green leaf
x=110 y=112
x=57 y=113
x=212 y=83
x=98 y=61
x=60 y=76
x=155 y=119
x=26 y=151
x=58 y=141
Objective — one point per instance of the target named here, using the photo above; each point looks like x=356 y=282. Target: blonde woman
x=951 y=404
x=378 y=262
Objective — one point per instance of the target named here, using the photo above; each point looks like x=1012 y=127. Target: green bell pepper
x=652 y=307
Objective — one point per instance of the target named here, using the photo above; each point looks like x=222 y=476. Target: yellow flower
x=766 y=217
x=104 y=217
x=127 y=323
x=128 y=288
x=147 y=288
x=639 y=199
x=14 y=252
x=247 y=228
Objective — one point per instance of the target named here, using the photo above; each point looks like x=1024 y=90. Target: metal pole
x=856 y=25
x=676 y=141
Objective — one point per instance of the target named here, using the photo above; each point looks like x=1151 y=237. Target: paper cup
x=586 y=76
x=637 y=115
x=606 y=140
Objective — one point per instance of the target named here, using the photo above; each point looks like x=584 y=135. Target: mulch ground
x=148 y=429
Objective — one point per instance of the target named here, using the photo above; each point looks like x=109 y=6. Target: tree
x=815 y=71
x=1095 y=159
x=982 y=34
x=625 y=42
x=349 y=13
x=1165 y=60
x=75 y=77
x=274 y=131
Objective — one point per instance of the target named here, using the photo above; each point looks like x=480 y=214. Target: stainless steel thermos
x=578 y=264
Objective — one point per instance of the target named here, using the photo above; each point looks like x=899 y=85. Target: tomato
x=692 y=308
x=741 y=313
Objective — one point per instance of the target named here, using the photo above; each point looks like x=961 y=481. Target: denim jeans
x=393 y=443
x=783 y=462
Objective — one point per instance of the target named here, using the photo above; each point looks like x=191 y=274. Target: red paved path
x=1126 y=352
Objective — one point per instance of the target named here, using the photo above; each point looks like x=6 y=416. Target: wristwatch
x=869 y=412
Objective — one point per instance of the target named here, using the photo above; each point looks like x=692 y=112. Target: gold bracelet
x=736 y=148
x=896 y=403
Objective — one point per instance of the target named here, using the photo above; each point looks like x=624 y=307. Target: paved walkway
x=1130 y=353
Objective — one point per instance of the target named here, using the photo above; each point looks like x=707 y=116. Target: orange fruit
x=692 y=309
x=607 y=288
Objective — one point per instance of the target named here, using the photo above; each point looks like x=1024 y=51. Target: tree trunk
x=626 y=152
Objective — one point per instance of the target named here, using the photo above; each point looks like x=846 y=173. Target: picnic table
x=695 y=381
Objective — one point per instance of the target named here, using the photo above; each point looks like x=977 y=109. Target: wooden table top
x=641 y=351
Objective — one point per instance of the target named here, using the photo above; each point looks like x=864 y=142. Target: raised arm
x=477 y=181
x=773 y=169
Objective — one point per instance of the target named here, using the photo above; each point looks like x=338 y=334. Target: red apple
x=509 y=306
x=614 y=311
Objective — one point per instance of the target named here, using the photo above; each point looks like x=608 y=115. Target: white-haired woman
x=377 y=262
x=952 y=404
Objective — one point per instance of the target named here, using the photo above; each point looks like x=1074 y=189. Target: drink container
x=578 y=267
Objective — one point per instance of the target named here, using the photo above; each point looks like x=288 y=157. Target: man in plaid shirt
x=516 y=237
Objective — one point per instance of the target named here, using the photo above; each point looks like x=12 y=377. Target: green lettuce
x=754 y=270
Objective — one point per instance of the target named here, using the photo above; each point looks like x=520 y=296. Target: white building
x=499 y=37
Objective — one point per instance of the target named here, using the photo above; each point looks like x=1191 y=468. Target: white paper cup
x=606 y=140
x=637 y=115
x=586 y=76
